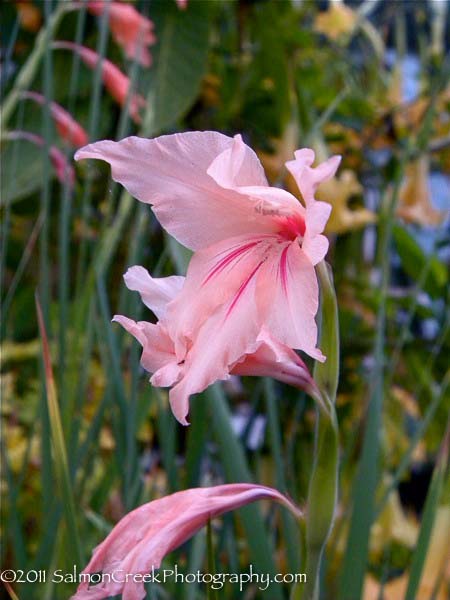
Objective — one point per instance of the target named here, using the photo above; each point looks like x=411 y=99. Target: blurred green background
x=368 y=80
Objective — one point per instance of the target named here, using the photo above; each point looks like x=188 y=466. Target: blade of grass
x=59 y=445
x=363 y=512
x=428 y=519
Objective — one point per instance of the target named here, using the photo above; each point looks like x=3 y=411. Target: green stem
x=323 y=485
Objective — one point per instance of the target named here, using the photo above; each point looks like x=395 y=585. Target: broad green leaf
x=172 y=84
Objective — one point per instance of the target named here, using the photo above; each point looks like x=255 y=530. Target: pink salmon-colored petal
x=158 y=355
x=140 y=541
x=308 y=178
x=170 y=172
x=237 y=166
x=273 y=359
x=224 y=337
x=156 y=293
x=288 y=296
x=314 y=245
x=214 y=277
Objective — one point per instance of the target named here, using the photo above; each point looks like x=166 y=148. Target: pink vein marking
x=283 y=269
x=220 y=266
x=241 y=290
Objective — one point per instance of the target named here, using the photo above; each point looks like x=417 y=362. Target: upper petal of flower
x=307 y=177
x=171 y=173
x=141 y=540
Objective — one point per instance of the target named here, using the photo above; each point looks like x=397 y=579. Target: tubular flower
x=267 y=358
x=130 y=29
x=117 y=84
x=255 y=245
x=140 y=541
x=69 y=129
x=64 y=171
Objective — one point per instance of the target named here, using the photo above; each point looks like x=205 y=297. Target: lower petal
x=288 y=297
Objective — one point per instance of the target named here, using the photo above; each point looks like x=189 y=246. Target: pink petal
x=223 y=339
x=272 y=359
x=308 y=178
x=170 y=172
x=314 y=245
x=156 y=293
x=288 y=297
x=158 y=354
x=237 y=166
x=141 y=540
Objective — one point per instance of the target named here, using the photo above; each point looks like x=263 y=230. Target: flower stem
x=323 y=485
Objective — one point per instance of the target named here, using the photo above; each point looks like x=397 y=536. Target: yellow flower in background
x=393 y=524
x=414 y=203
x=337 y=192
x=337 y=21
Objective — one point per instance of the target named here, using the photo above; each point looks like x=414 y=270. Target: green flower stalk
x=323 y=485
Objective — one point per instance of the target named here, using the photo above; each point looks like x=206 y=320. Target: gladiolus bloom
x=64 y=171
x=69 y=129
x=141 y=540
x=117 y=84
x=130 y=29
x=255 y=245
x=268 y=358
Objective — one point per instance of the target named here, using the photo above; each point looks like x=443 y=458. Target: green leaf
x=428 y=519
x=172 y=84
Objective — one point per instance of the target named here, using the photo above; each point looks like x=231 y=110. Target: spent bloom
x=140 y=541
x=255 y=246
x=129 y=28
x=267 y=358
x=116 y=82
x=69 y=129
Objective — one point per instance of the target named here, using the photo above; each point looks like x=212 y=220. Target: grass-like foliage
x=86 y=438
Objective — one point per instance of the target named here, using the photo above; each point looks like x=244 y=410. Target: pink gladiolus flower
x=267 y=357
x=69 y=129
x=130 y=29
x=141 y=540
x=182 y=4
x=255 y=245
x=64 y=171
x=115 y=81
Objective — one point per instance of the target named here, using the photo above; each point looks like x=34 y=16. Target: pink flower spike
x=185 y=371
x=140 y=541
x=130 y=29
x=255 y=245
x=64 y=171
x=69 y=129
x=182 y=4
x=115 y=81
